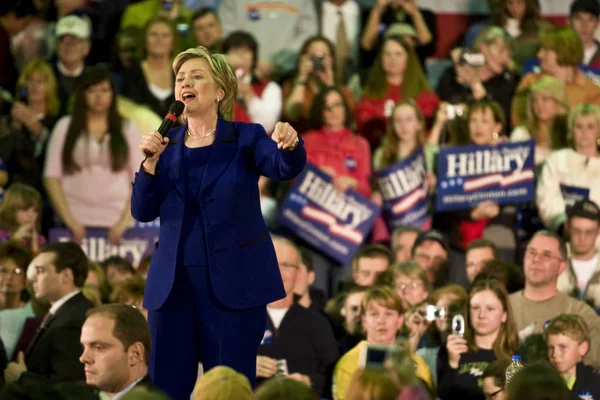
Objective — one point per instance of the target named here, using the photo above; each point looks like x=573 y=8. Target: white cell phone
x=282 y=368
x=458 y=325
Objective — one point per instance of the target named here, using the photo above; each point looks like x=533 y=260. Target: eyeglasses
x=408 y=286
x=7 y=270
x=492 y=396
x=545 y=256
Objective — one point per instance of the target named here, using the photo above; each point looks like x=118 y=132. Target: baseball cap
x=590 y=6
x=401 y=29
x=585 y=209
x=73 y=25
x=432 y=235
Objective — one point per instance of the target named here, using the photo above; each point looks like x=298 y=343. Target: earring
x=218 y=99
x=495 y=136
x=598 y=141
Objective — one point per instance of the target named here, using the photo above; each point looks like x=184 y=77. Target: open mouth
x=188 y=96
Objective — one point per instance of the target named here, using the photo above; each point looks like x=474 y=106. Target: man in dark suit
x=116 y=346
x=53 y=353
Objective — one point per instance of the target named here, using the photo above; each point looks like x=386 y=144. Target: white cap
x=73 y=25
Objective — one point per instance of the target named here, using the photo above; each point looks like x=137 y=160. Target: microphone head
x=176 y=108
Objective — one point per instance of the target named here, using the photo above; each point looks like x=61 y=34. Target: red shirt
x=344 y=151
x=372 y=114
x=239 y=108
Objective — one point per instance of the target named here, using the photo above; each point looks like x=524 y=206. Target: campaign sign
x=402 y=186
x=573 y=194
x=468 y=175
x=334 y=223
x=135 y=244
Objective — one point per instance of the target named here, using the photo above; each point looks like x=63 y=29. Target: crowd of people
x=81 y=81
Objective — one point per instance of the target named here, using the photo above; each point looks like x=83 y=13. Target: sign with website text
x=404 y=192
x=573 y=194
x=332 y=222
x=469 y=175
x=135 y=244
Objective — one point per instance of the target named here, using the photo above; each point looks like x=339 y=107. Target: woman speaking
x=214 y=268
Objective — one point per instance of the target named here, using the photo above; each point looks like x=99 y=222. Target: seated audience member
x=348 y=332
x=431 y=251
x=223 y=383
x=568 y=171
x=370 y=261
x=116 y=345
x=150 y=82
x=282 y=387
x=493 y=380
x=380 y=19
x=382 y=317
x=487 y=219
x=403 y=240
x=72 y=47
x=32 y=117
x=583 y=227
x=452 y=298
x=568 y=339
x=538 y=381
x=299 y=338
x=540 y=301
x=478 y=253
x=14 y=17
x=333 y=147
x=96 y=280
x=583 y=19
x=14 y=307
x=492 y=79
x=489 y=334
x=21 y=216
x=258 y=99
x=560 y=54
x=511 y=275
x=395 y=77
x=546 y=118
x=411 y=283
x=309 y=297
x=522 y=20
x=59 y=272
x=125 y=54
x=93 y=156
x=117 y=269
x=315 y=70
x=130 y=291
x=207 y=29
x=372 y=384
x=294 y=22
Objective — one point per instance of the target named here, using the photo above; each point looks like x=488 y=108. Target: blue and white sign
x=468 y=175
x=573 y=194
x=402 y=186
x=334 y=223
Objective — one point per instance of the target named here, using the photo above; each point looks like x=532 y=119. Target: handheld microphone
x=174 y=111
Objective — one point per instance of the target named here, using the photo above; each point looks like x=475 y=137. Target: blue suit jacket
x=242 y=263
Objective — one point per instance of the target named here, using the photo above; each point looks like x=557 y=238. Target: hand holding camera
x=456 y=346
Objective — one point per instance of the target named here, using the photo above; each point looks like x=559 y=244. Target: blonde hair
x=391 y=141
x=450 y=289
x=369 y=384
x=223 y=383
x=413 y=270
x=571 y=325
x=547 y=86
x=37 y=66
x=491 y=35
x=220 y=71
x=19 y=197
x=384 y=296
x=582 y=110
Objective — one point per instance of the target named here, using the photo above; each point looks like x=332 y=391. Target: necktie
x=342 y=49
x=39 y=331
x=46 y=319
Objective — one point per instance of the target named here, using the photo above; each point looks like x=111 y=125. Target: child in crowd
x=568 y=340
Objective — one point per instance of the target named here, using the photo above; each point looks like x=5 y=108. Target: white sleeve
x=266 y=110
x=550 y=202
x=519 y=134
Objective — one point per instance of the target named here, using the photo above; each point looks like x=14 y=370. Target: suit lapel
x=222 y=153
x=174 y=159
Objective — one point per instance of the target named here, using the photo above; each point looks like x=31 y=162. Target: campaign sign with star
x=402 y=186
x=468 y=175
x=334 y=223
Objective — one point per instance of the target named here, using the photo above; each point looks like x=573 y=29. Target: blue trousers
x=194 y=326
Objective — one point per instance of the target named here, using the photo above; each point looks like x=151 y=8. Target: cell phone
x=433 y=312
x=454 y=110
x=458 y=325
x=472 y=59
x=281 y=368
x=183 y=29
x=318 y=62
x=374 y=356
x=23 y=94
